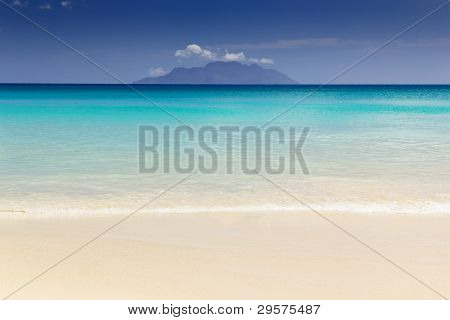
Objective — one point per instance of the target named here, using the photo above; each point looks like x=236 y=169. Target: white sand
x=225 y=256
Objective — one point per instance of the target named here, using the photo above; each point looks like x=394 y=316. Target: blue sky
x=308 y=40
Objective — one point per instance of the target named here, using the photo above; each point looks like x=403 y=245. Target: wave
x=416 y=208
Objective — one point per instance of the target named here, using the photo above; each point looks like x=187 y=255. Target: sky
x=310 y=41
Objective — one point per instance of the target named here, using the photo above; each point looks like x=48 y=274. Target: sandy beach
x=225 y=256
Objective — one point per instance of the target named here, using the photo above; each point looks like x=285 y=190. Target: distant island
x=221 y=73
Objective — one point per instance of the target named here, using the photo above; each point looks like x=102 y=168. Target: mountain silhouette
x=221 y=73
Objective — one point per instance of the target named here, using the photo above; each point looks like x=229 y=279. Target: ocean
x=74 y=149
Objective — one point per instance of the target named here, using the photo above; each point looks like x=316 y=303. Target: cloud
x=334 y=42
x=45 y=6
x=195 y=50
x=19 y=3
x=261 y=61
x=156 y=72
x=436 y=42
x=66 y=4
x=239 y=56
x=266 y=61
x=292 y=43
x=300 y=43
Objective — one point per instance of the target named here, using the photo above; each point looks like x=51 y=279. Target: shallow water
x=371 y=149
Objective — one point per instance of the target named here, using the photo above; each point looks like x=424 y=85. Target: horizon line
x=220 y=84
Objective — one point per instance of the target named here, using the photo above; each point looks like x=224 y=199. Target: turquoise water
x=73 y=148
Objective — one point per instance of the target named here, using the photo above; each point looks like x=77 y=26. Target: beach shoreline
x=226 y=256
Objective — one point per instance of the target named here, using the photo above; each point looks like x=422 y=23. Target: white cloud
x=266 y=61
x=45 y=6
x=66 y=4
x=156 y=72
x=19 y=3
x=261 y=61
x=197 y=51
x=239 y=56
x=436 y=42
x=291 y=43
x=334 y=42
